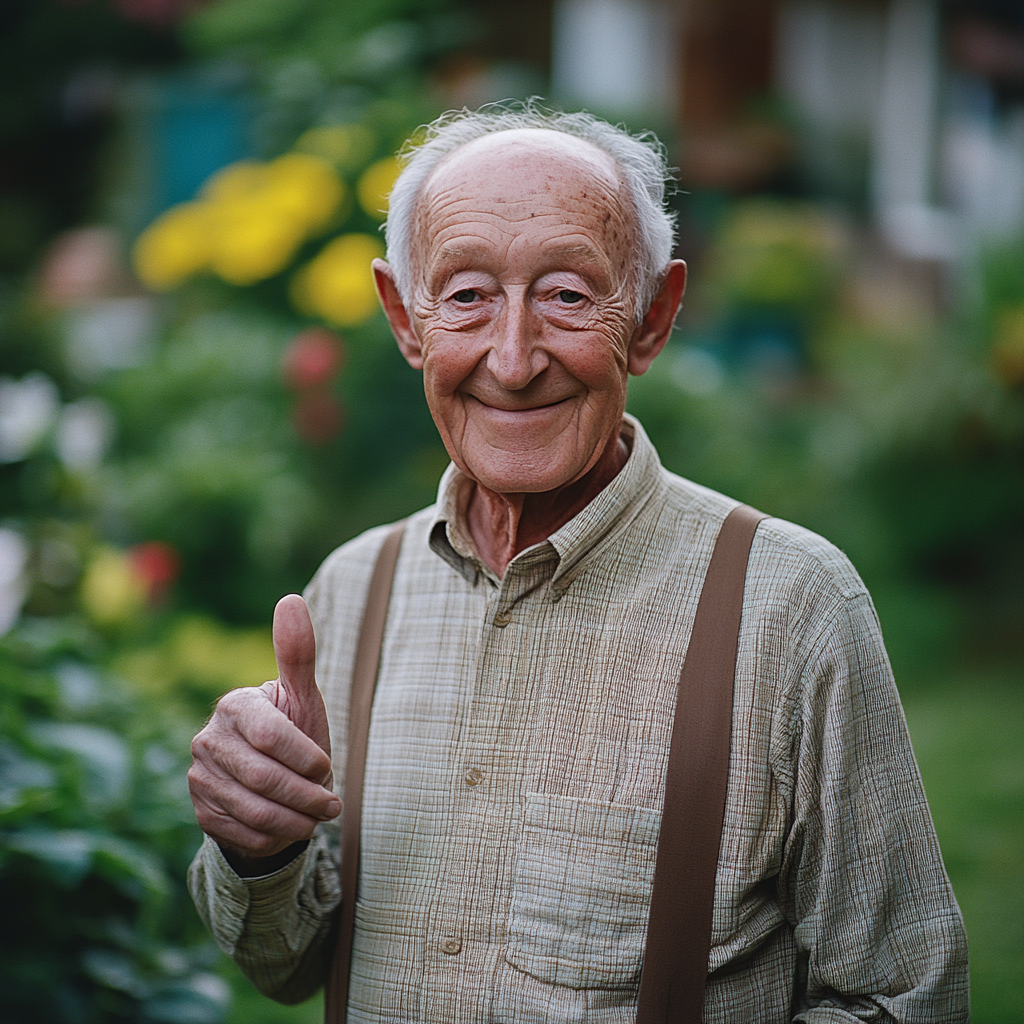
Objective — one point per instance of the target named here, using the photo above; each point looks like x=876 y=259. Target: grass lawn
x=969 y=737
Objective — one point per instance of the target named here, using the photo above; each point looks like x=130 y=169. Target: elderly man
x=541 y=609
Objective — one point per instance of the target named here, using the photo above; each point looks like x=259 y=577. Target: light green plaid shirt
x=516 y=765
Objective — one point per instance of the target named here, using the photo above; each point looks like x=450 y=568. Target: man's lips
x=503 y=410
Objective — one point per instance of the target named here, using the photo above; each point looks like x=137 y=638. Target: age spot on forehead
x=541 y=147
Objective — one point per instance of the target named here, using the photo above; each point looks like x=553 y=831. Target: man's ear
x=398 y=317
x=650 y=336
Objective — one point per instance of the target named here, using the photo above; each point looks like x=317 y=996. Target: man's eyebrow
x=588 y=252
x=449 y=253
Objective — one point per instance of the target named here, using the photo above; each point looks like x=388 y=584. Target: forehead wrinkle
x=448 y=205
x=599 y=184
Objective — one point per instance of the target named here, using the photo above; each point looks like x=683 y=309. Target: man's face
x=521 y=308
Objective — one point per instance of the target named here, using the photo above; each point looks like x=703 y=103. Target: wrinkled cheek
x=447 y=362
x=599 y=368
x=600 y=353
x=442 y=377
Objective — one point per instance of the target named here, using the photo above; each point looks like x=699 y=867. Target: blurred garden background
x=199 y=398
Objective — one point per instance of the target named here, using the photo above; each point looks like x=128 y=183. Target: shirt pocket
x=581 y=891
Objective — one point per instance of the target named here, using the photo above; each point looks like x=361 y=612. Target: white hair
x=639 y=159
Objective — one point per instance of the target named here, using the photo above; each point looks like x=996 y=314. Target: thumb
x=295 y=648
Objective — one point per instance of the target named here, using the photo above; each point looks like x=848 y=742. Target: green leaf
x=115 y=970
x=21 y=778
x=200 y=999
x=120 y=860
x=103 y=754
x=67 y=852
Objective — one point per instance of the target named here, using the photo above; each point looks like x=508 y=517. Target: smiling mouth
x=520 y=411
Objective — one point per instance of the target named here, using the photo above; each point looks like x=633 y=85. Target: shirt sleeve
x=878 y=931
x=276 y=927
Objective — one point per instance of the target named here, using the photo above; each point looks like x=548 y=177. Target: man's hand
x=261 y=768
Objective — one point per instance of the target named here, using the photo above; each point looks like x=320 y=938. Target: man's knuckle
x=264 y=818
x=261 y=777
x=235 y=701
x=263 y=734
x=226 y=704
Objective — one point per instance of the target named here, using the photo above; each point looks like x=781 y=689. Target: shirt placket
x=470 y=905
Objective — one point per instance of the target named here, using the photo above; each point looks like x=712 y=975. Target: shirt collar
x=605 y=517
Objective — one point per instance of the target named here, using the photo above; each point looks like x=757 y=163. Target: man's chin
x=525 y=472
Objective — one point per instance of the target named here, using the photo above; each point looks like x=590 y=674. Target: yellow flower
x=337 y=284
x=243 y=178
x=247 y=225
x=251 y=241
x=347 y=145
x=296 y=185
x=261 y=213
x=205 y=650
x=1008 y=346
x=174 y=247
x=304 y=187
x=200 y=657
x=111 y=589
x=375 y=186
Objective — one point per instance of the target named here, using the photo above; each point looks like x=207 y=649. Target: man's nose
x=515 y=357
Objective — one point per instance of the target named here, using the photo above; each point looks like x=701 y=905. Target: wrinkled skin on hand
x=261 y=767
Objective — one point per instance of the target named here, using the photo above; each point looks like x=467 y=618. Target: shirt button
x=473 y=777
x=451 y=946
x=502 y=619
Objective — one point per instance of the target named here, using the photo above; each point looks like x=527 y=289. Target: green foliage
x=322 y=43
x=105 y=679
x=318 y=62
x=222 y=475
x=901 y=442
x=96 y=831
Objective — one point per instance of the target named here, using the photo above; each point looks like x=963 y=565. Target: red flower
x=157 y=565
x=313 y=358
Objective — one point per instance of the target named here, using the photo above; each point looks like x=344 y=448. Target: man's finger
x=249 y=718
x=294 y=645
x=270 y=731
x=268 y=778
x=297 y=694
x=252 y=825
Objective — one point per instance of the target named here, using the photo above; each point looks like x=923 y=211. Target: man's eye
x=568 y=296
x=465 y=295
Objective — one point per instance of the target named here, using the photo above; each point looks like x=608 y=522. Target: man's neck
x=502 y=525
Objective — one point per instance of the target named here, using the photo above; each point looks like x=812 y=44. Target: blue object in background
x=176 y=132
x=765 y=341
x=197 y=132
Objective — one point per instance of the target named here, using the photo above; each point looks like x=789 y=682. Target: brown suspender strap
x=679 y=928
x=364 y=681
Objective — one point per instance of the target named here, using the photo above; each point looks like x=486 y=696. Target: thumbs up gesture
x=261 y=767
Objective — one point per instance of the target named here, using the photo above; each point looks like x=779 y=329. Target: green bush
x=96 y=832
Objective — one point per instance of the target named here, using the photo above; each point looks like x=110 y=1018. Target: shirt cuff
x=224 y=899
